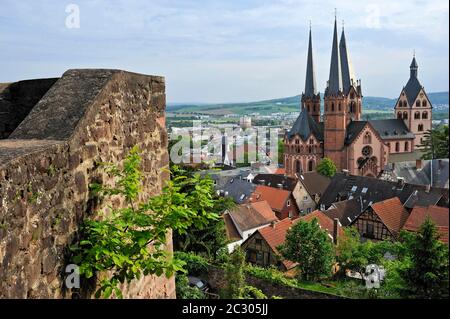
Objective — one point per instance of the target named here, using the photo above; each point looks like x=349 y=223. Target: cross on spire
x=335 y=13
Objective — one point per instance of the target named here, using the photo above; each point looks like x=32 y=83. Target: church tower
x=413 y=106
x=350 y=85
x=335 y=116
x=310 y=97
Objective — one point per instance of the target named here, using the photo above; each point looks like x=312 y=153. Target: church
x=361 y=147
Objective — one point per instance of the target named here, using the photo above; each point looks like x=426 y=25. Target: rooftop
x=392 y=214
x=252 y=215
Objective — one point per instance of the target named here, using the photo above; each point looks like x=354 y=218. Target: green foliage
x=352 y=254
x=210 y=237
x=250 y=292
x=326 y=167
x=435 y=143
x=234 y=275
x=425 y=270
x=310 y=247
x=130 y=242
x=184 y=291
x=195 y=264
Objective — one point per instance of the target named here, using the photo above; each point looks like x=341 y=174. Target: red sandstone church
x=361 y=147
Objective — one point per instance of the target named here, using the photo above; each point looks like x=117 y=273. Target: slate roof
x=304 y=126
x=392 y=129
x=310 y=82
x=343 y=186
x=346 y=211
x=422 y=199
x=273 y=180
x=314 y=182
x=392 y=214
x=413 y=86
x=334 y=86
x=252 y=215
x=353 y=129
x=346 y=65
x=239 y=190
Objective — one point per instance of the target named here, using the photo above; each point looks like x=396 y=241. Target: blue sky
x=229 y=50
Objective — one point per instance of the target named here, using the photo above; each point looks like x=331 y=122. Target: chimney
x=335 y=230
x=418 y=164
x=346 y=172
x=273 y=223
x=427 y=188
x=400 y=182
x=280 y=186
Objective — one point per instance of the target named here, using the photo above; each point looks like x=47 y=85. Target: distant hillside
x=440 y=101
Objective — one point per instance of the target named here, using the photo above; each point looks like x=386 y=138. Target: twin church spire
x=341 y=76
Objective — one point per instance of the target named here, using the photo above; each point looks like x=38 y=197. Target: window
x=397 y=147
x=406 y=147
x=367 y=151
x=399 y=115
x=418 y=103
x=310 y=166
x=424 y=115
x=305 y=198
x=424 y=103
x=388 y=146
x=364 y=190
x=288 y=203
x=369 y=229
x=417 y=116
x=354 y=188
x=308 y=210
x=420 y=128
x=367 y=138
x=332 y=107
x=298 y=167
x=405 y=115
x=339 y=107
x=258 y=242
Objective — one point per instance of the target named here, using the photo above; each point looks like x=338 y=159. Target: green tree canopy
x=326 y=167
x=234 y=275
x=435 y=143
x=309 y=246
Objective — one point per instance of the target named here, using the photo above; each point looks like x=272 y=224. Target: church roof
x=305 y=126
x=353 y=129
x=392 y=129
x=335 y=80
x=413 y=85
x=310 y=82
x=346 y=66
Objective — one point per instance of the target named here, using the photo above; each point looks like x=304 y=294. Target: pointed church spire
x=310 y=83
x=335 y=79
x=413 y=67
x=346 y=66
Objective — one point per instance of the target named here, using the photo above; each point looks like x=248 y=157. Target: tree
x=184 y=291
x=426 y=275
x=352 y=254
x=131 y=241
x=234 y=275
x=435 y=143
x=310 y=247
x=326 y=167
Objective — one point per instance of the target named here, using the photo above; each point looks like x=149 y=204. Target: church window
x=424 y=103
x=425 y=115
x=397 y=147
x=310 y=149
x=388 y=146
x=405 y=115
x=367 y=151
x=417 y=116
x=311 y=141
x=298 y=167
x=332 y=107
x=420 y=128
x=339 y=107
x=367 y=138
x=406 y=147
x=352 y=95
x=310 y=165
x=417 y=103
x=309 y=110
x=399 y=115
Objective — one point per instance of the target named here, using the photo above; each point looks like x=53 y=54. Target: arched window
x=309 y=149
x=298 y=167
x=388 y=146
x=309 y=110
x=311 y=141
x=417 y=116
x=310 y=166
x=367 y=139
x=406 y=147
x=424 y=115
x=332 y=107
x=405 y=104
x=420 y=128
x=397 y=147
x=314 y=107
x=405 y=115
x=424 y=103
x=339 y=107
x=418 y=103
x=399 y=115
x=352 y=95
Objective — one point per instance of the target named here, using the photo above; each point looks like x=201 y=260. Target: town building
x=281 y=201
x=361 y=147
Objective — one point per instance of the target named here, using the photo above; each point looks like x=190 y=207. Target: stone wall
x=48 y=162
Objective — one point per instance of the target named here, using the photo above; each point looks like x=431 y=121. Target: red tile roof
x=252 y=215
x=325 y=222
x=392 y=214
x=439 y=215
x=231 y=230
x=280 y=171
x=274 y=196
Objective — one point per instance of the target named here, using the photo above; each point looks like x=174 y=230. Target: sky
x=227 y=51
